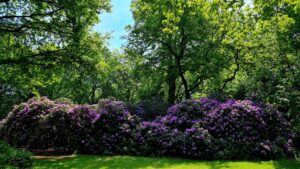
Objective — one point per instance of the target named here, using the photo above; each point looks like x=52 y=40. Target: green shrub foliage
x=11 y=157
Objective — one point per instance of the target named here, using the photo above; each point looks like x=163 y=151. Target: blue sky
x=115 y=22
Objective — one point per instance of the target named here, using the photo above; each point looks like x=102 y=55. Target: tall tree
x=183 y=38
x=43 y=42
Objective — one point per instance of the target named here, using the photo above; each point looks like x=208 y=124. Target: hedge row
x=202 y=129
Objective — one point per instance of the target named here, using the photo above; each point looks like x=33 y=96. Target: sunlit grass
x=126 y=162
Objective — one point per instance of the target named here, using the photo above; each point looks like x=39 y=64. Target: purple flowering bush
x=155 y=139
x=198 y=143
x=20 y=127
x=200 y=129
x=185 y=114
x=82 y=117
x=180 y=132
x=243 y=130
x=41 y=124
x=112 y=132
x=208 y=129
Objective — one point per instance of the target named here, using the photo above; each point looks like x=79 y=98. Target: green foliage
x=218 y=48
x=49 y=49
x=177 y=49
x=270 y=69
x=188 y=45
x=149 y=109
x=11 y=157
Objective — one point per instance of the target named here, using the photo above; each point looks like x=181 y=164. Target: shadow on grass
x=126 y=162
x=115 y=162
x=287 y=164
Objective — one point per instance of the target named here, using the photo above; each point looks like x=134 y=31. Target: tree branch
x=29 y=59
x=30 y=16
x=236 y=57
x=15 y=29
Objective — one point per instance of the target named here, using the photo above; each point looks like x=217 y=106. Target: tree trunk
x=92 y=98
x=171 y=81
x=184 y=82
x=186 y=88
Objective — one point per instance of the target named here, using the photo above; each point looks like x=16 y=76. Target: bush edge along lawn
x=133 y=162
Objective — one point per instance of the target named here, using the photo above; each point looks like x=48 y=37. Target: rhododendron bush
x=42 y=124
x=245 y=129
x=112 y=132
x=202 y=129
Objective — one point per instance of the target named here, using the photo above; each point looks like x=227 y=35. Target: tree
x=184 y=39
x=46 y=32
x=271 y=71
x=43 y=42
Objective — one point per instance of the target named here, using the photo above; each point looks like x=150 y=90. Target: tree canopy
x=175 y=50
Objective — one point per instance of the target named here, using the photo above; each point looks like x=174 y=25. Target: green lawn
x=126 y=162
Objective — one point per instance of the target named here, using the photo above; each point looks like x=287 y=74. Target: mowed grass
x=127 y=162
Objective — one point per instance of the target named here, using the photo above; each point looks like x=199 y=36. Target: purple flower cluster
x=208 y=129
x=153 y=138
x=188 y=112
x=201 y=129
x=83 y=118
x=257 y=130
x=42 y=124
x=112 y=132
